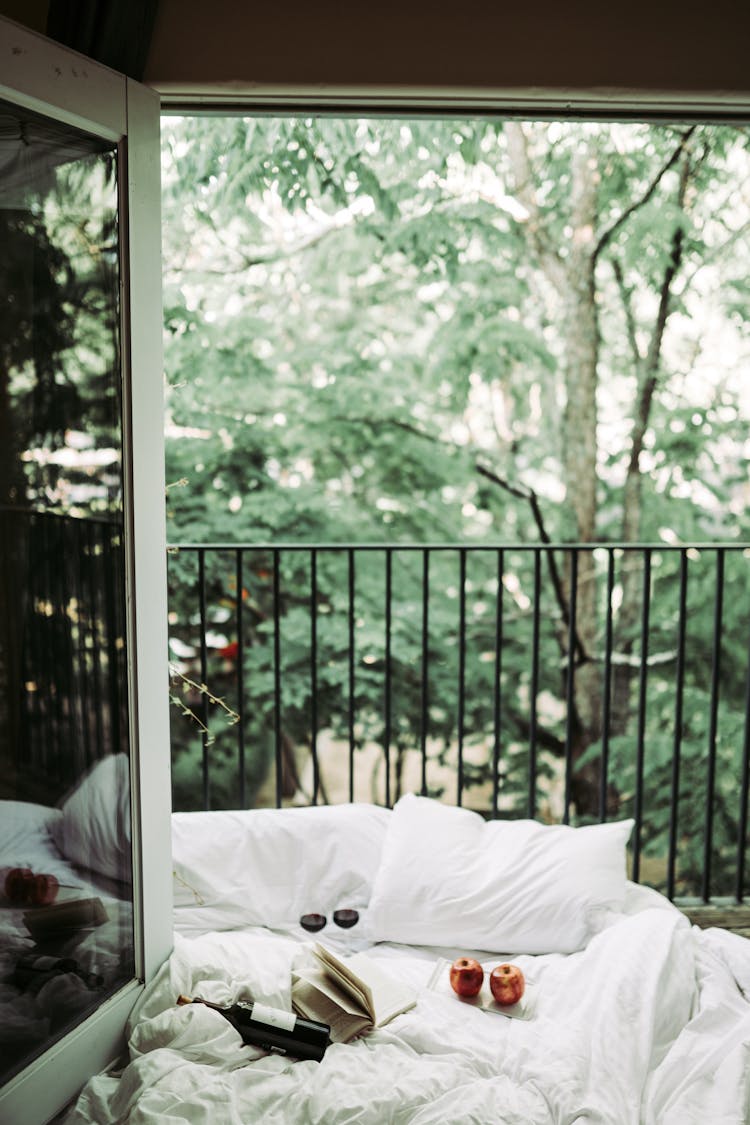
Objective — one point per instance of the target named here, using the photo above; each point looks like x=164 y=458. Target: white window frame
x=42 y=76
x=71 y=88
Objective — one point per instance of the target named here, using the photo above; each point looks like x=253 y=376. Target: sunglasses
x=314 y=922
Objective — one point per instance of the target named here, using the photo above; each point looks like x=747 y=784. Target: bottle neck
x=199 y=1000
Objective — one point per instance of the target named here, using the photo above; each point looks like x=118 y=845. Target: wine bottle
x=273 y=1029
x=32 y=971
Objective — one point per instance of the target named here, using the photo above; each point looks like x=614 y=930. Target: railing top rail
x=113 y=519
x=503 y=546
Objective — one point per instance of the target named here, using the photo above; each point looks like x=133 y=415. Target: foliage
x=359 y=313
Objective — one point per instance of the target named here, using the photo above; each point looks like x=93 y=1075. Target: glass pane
x=66 y=918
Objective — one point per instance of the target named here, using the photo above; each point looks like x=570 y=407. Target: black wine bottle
x=273 y=1029
x=32 y=971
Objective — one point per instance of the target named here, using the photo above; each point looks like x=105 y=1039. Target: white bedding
x=28 y=1017
x=649 y=1025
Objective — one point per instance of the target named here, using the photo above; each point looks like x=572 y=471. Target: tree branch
x=609 y=234
x=398 y=423
x=650 y=373
x=247 y=261
x=625 y=297
x=715 y=253
x=528 y=494
x=536 y=233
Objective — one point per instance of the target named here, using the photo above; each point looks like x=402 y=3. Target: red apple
x=507 y=984
x=466 y=976
x=43 y=890
x=18 y=882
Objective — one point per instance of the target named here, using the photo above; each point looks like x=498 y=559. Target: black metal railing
x=574 y=683
x=63 y=659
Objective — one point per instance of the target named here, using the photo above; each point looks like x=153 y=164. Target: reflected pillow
x=22 y=823
x=268 y=867
x=94 y=829
x=26 y=841
x=450 y=878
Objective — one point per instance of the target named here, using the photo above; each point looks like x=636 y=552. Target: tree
x=59 y=380
x=362 y=314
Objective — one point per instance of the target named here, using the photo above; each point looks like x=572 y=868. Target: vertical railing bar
x=204 y=674
x=641 y=738
x=314 y=672
x=82 y=700
x=239 y=578
x=570 y=682
x=48 y=749
x=497 y=686
x=425 y=665
x=42 y=734
x=712 y=732
x=51 y=575
x=66 y=595
x=48 y=753
x=94 y=531
x=678 y=711
x=461 y=672
x=351 y=578
x=277 y=675
x=121 y=663
x=739 y=890
x=607 y=699
x=387 y=683
x=534 y=683
x=111 y=613
x=66 y=580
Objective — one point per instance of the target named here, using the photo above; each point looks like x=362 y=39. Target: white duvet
x=649 y=1024
x=28 y=1018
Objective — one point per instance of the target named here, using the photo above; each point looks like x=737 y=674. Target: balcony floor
x=730 y=917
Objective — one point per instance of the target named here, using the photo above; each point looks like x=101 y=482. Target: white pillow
x=450 y=878
x=25 y=841
x=268 y=867
x=94 y=830
x=23 y=823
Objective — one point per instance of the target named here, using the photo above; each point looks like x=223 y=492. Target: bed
x=60 y=960
x=633 y=1015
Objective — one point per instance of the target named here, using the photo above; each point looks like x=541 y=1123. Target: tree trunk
x=648 y=371
x=573 y=277
x=579 y=454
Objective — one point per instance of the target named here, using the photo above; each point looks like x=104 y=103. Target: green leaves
x=358 y=311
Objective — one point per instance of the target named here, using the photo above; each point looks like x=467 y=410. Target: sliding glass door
x=82 y=922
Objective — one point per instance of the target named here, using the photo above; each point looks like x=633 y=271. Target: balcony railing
x=63 y=655
x=571 y=683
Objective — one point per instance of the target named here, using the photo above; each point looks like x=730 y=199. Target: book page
x=315 y=996
x=389 y=996
x=384 y=998
x=348 y=980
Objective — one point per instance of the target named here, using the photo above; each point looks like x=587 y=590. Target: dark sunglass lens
x=312 y=922
x=346 y=918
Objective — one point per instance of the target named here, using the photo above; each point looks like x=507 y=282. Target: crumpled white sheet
x=28 y=1018
x=649 y=1025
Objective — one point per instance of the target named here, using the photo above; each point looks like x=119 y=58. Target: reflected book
x=351 y=996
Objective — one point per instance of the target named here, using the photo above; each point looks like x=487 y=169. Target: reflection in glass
x=66 y=931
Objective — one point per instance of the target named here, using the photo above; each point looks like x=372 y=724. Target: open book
x=351 y=996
